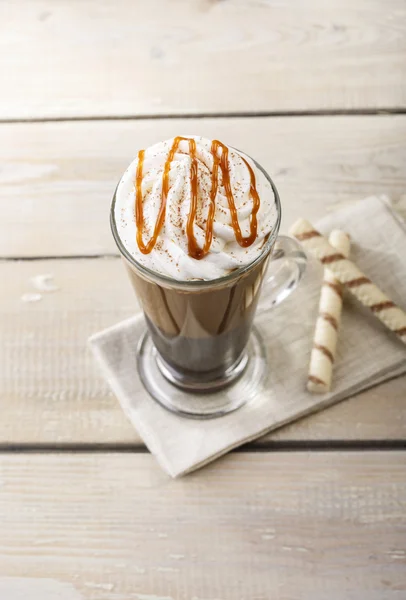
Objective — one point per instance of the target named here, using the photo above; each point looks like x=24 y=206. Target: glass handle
x=285 y=270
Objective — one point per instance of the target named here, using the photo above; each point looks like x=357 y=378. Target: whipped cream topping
x=170 y=255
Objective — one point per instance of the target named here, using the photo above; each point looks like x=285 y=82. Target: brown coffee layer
x=200 y=329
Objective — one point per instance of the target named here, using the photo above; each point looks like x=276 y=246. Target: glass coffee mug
x=201 y=356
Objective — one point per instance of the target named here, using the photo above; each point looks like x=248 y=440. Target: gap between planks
x=64 y=257
x=268 y=446
x=358 y=112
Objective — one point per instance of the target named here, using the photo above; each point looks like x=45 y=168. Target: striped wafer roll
x=350 y=275
x=328 y=320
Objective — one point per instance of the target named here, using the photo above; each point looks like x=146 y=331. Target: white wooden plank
x=51 y=390
x=121 y=57
x=251 y=526
x=57 y=179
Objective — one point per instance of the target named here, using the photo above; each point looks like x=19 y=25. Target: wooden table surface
x=316 y=91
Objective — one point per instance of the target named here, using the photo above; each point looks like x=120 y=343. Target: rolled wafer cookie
x=327 y=324
x=352 y=277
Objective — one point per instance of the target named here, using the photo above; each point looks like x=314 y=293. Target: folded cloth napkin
x=366 y=355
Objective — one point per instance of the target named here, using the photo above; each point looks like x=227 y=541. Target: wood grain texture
x=68 y=59
x=251 y=526
x=51 y=390
x=57 y=179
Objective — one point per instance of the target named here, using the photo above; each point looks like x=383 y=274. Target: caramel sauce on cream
x=220 y=160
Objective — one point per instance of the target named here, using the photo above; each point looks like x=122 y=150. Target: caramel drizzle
x=218 y=162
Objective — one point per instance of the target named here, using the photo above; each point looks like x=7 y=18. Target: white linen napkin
x=367 y=353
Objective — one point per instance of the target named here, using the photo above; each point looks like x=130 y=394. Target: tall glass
x=200 y=329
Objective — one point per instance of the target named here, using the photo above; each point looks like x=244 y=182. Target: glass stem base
x=203 y=382
x=189 y=397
